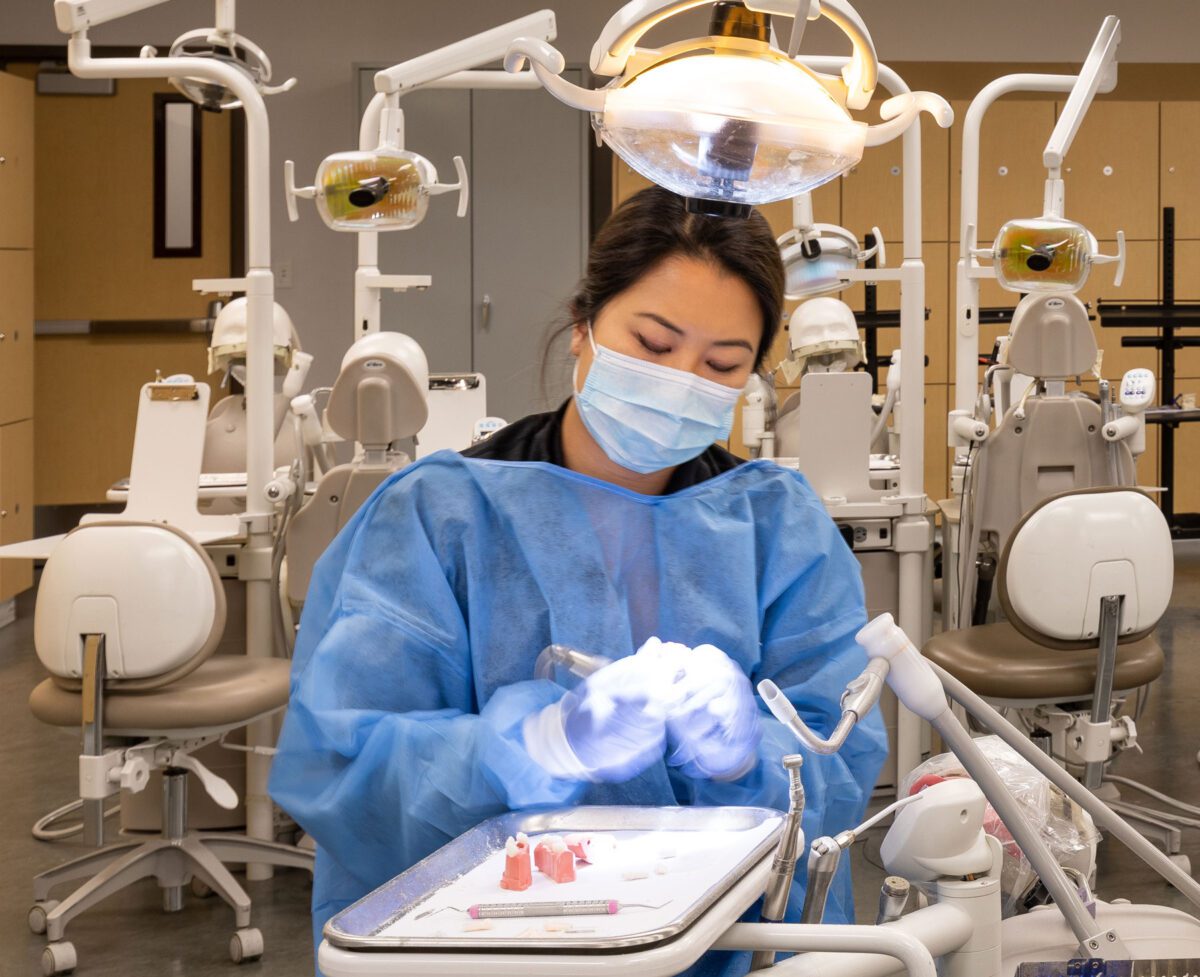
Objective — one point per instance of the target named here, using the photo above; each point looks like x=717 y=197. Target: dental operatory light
x=1048 y=254
x=729 y=120
x=384 y=189
x=818 y=257
x=223 y=43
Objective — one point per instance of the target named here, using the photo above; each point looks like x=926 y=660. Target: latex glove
x=713 y=726
x=612 y=726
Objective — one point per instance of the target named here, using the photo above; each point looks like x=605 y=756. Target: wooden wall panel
x=1179 y=165
x=937 y=299
x=1111 y=171
x=1011 y=176
x=94 y=201
x=872 y=192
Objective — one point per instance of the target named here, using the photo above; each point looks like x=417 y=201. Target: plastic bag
x=1066 y=828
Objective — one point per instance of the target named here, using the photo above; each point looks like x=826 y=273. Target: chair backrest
x=338 y=496
x=381 y=392
x=148 y=588
x=1051 y=337
x=1056 y=447
x=1071 y=551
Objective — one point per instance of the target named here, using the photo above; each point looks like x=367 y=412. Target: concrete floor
x=128 y=936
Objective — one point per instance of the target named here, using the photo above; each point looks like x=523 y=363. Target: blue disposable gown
x=414 y=663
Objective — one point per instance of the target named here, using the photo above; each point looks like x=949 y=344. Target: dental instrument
x=525 y=910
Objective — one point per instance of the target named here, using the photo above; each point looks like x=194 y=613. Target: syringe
x=521 y=910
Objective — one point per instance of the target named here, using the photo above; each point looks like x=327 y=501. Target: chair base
x=174 y=860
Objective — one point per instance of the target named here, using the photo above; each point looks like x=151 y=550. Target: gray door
x=502 y=275
x=529 y=220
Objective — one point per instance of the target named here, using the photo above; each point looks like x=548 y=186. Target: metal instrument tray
x=729 y=842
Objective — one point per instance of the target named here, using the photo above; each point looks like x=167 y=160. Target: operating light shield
x=738 y=126
x=1043 y=254
x=383 y=189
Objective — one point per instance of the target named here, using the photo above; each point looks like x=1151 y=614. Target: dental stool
x=379 y=398
x=1083 y=580
x=126 y=620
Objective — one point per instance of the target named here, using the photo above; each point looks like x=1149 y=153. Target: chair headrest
x=381 y=391
x=1074 y=549
x=148 y=588
x=1051 y=337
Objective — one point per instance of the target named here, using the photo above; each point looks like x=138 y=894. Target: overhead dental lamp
x=1048 y=254
x=384 y=189
x=817 y=258
x=728 y=120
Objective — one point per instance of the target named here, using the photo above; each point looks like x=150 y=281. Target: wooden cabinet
x=16 y=503
x=873 y=191
x=16 y=162
x=16 y=335
x=16 y=327
x=1111 y=171
x=1179 y=166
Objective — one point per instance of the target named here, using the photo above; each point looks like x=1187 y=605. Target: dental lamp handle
x=901 y=111
x=291 y=191
x=1119 y=258
x=462 y=186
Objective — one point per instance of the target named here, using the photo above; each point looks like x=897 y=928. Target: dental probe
x=520 y=910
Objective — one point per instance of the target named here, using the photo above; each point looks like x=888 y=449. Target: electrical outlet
x=283 y=274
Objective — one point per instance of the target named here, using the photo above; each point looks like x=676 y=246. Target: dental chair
x=379 y=399
x=1083 y=579
x=1048 y=442
x=127 y=617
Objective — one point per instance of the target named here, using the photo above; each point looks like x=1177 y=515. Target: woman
x=606 y=525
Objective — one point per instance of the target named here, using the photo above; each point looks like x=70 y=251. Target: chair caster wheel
x=58 y=958
x=1183 y=862
x=38 y=914
x=200 y=888
x=245 y=945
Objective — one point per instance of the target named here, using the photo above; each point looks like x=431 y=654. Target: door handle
x=485 y=311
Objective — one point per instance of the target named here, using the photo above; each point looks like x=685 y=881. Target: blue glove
x=713 y=724
x=609 y=728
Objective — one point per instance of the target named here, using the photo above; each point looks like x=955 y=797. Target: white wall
x=319 y=41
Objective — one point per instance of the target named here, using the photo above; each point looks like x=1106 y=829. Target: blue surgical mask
x=647 y=417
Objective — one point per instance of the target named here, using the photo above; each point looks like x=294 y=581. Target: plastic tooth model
x=542 y=852
x=518 y=874
x=592 y=849
x=560 y=862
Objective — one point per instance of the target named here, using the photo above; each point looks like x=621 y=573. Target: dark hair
x=654 y=225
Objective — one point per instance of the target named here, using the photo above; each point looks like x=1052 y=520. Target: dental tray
x=689 y=857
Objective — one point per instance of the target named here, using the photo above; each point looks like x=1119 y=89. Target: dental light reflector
x=377 y=190
x=230 y=48
x=1043 y=254
x=734 y=127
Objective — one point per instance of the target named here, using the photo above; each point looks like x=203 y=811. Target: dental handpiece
x=522 y=910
